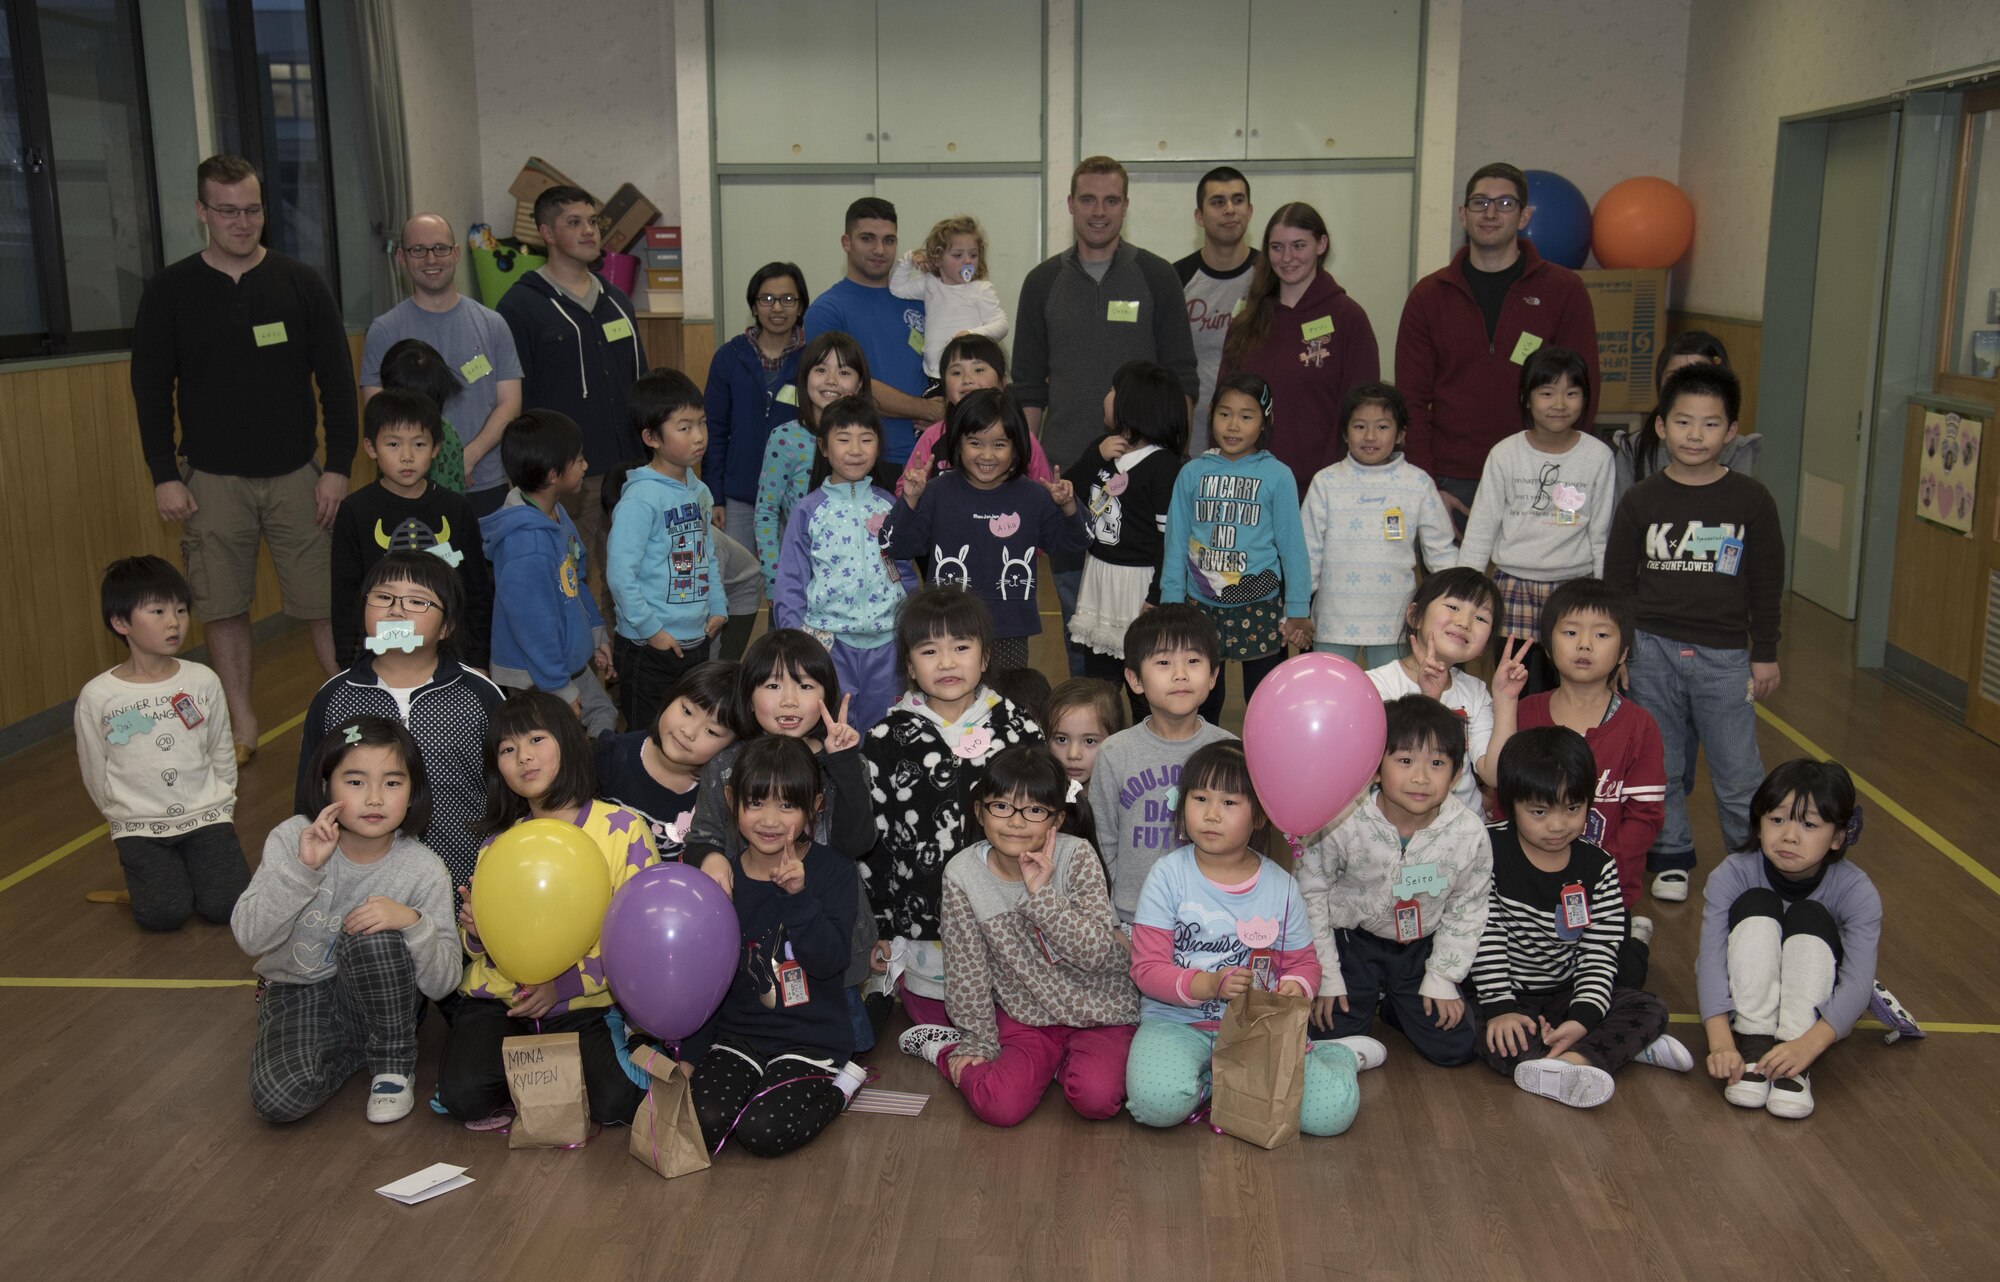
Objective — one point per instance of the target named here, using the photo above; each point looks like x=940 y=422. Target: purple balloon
x=670 y=945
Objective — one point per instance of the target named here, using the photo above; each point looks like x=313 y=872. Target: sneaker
x=925 y=1041
x=1666 y=1052
x=1752 y=1090
x=1790 y=1097
x=1368 y=1053
x=1882 y=1004
x=1577 y=1085
x=390 y=1098
x=1671 y=887
x=1642 y=927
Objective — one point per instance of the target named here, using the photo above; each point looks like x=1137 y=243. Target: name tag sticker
x=1240 y=304
x=1524 y=347
x=916 y=341
x=1316 y=329
x=1123 y=309
x=476 y=368
x=788 y=394
x=269 y=335
x=615 y=330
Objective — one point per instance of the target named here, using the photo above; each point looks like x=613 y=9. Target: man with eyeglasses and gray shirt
x=1468 y=327
x=474 y=341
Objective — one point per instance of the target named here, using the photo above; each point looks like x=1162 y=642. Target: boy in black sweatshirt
x=1699 y=550
x=402 y=511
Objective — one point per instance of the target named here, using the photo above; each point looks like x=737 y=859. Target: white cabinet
x=959 y=81
x=1333 y=79
x=1163 y=79
x=859 y=82
x=1223 y=80
x=795 y=82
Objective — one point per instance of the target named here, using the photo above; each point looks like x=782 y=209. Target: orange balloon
x=1642 y=222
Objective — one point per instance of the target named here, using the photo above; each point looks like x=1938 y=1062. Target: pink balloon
x=1313 y=735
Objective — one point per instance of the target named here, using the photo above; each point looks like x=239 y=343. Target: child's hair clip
x=1075 y=792
x=1853 y=828
x=353 y=735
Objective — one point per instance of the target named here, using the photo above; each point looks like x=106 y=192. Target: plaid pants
x=313 y=1037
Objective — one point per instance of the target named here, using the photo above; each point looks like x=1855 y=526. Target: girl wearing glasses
x=1035 y=965
x=407 y=670
x=751 y=389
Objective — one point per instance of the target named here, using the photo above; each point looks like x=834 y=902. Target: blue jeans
x=1067 y=584
x=1697 y=694
x=1365 y=657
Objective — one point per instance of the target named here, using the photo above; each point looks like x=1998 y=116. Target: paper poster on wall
x=1948 y=472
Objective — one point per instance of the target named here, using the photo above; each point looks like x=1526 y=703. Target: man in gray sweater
x=1083 y=313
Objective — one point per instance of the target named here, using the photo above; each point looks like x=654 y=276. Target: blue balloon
x=1560 y=227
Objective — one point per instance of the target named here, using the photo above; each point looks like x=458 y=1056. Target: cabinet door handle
x=885 y=135
x=871 y=137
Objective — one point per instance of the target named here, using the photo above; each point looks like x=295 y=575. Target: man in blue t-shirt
x=889 y=329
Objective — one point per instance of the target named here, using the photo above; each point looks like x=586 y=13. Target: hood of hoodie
x=1321 y=293
x=975 y=716
x=644 y=480
x=521 y=526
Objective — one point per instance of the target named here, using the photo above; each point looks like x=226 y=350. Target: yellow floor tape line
x=69 y=848
x=1980 y=872
x=37 y=981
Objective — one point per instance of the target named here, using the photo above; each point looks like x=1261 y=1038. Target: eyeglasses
x=1505 y=204
x=421 y=252
x=777 y=300
x=1007 y=810
x=411 y=605
x=231 y=213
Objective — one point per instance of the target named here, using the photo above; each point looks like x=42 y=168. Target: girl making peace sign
x=1450 y=622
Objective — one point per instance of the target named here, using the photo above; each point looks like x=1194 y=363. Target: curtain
x=388 y=159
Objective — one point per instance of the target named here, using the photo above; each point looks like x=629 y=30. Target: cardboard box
x=1631 y=309
x=624 y=218
x=663 y=259
x=668 y=279
x=536 y=177
x=525 y=229
x=660 y=236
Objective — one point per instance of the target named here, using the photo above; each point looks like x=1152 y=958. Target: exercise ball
x=1642 y=222
x=1560 y=226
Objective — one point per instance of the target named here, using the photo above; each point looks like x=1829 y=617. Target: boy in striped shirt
x=1545 y=973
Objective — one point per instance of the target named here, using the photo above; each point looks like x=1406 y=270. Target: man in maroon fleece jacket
x=1468 y=326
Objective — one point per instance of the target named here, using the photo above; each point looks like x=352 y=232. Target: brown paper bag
x=545 y=1076
x=666 y=1135
x=1260 y=1068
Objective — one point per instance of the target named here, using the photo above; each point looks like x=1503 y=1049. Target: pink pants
x=1090 y=1063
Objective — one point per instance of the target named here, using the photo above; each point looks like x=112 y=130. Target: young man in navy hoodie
x=578 y=339
x=547 y=633
x=1468 y=326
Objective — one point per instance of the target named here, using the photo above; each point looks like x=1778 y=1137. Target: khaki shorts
x=219 y=543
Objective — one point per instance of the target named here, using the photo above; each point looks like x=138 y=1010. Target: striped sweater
x=1524 y=949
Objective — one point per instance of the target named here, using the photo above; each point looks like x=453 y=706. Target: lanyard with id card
x=1572 y=911
x=792 y=987
x=187 y=710
x=1392 y=525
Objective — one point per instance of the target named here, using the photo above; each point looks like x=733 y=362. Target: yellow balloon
x=538 y=899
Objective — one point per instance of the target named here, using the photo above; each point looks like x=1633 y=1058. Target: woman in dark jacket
x=750 y=391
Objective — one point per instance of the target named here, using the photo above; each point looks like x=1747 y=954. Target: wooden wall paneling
x=697 y=351
x=1745 y=341
x=76 y=495
x=661 y=337
x=1936 y=597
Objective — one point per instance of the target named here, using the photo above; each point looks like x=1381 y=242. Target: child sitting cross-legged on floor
x=1554 y=1019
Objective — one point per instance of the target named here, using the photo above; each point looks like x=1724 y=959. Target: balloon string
x=790 y=1081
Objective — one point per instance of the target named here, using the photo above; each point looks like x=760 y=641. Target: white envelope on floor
x=426 y=1184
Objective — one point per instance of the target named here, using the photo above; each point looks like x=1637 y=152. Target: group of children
x=1052 y=895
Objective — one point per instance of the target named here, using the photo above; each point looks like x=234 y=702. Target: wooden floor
x=128 y=1147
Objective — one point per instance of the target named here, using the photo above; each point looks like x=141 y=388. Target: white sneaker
x=1671 y=887
x=1666 y=1052
x=1368 y=1053
x=1752 y=1090
x=1577 y=1085
x=1642 y=929
x=390 y=1098
x=925 y=1041
x=1791 y=1097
